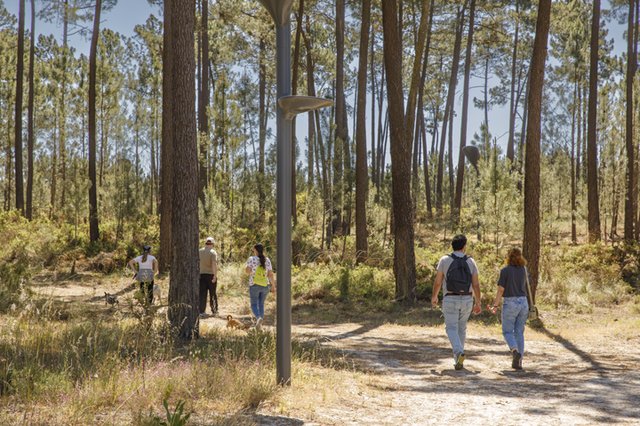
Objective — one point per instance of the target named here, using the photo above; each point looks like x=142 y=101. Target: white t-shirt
x=253 y=262
x=145 y=265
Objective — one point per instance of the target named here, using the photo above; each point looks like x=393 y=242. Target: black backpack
x=459 y=275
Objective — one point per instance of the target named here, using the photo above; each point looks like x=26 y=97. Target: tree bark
x=339 y=159
x=203 y=101
x=513 y=105
x=592 y=146
x=294 y=141
x=18 y=111
x=531 y=243
x=30 y=107
x=449 y=107
x=404 y=256
x=183 y=288
x=166 y=147
x=362 y=176
x=94 y=232
x=630 y=201
x=465 y=113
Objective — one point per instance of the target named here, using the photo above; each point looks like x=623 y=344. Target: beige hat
x=209 y=240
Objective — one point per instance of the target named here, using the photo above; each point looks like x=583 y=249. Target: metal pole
x=283 y=201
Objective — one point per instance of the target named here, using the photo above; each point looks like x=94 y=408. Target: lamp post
x=288 y=107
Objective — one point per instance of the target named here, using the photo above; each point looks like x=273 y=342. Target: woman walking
x=147 y=268
x=261 y=282
x=512 y=285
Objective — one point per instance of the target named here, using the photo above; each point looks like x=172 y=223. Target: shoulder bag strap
x=529 y=294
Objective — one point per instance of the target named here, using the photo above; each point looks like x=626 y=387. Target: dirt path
x=566 y=383
x=581 y=375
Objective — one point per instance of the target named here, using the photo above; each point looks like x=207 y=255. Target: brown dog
x=234 y=323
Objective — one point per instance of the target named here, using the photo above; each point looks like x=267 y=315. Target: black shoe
x=459 y=362
x=516 y=361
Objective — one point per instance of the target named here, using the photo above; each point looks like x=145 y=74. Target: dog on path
x=234 y=323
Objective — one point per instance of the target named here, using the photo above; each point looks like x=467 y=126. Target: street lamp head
x=294 y=105
x=280 y=10
x=473 y=155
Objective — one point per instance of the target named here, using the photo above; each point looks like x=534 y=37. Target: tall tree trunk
x=183 y=289
x=294 y=140
x=30 y=130
x=425 y=162
x=420 y=130
x=580 y=118
x=63 y=108
x=592 y=146
x=203 y=101
x=513 y=106
x=465 y=113
x=339 y=159
x=362 y=175
x=166 y=147
x=262 y=129
x=531 y=243
x=94 y=232
x=574 y=235
x=631 y=195
x=449 y=106
x=401 y=127
x=18 y=111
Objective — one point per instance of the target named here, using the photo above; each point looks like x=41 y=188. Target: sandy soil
x=581 y=371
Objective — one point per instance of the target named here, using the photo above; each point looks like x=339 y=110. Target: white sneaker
x=259 y=324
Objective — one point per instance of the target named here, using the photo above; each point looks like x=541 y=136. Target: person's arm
x=247 y=268
x=436 y=289
x=475 y=285
x=214 y=266
x=494 y=308
x=155 y=267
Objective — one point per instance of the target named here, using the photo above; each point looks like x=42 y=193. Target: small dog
x=234 y=323
x=110 y=299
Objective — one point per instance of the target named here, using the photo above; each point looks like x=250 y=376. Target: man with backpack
x=457 y=274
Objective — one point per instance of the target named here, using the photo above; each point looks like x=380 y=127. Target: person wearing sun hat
x=208 y=277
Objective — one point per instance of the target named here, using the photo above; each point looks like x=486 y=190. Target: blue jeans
x=515 y=311
x=258 y=294
x=456 y=310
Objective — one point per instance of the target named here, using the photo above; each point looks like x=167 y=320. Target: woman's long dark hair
x=260 y=249
x=145 y=253
x=515 y=258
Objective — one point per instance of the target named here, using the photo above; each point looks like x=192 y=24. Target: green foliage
x=332 y=282
x=178 y=417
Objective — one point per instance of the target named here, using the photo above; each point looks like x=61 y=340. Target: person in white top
x=145 y=268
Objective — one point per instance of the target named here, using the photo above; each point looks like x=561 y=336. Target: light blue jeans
x=456 y=310
x=515 y=311
x=258 y=294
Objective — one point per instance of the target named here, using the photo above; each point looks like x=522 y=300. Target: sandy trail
x=590 y=377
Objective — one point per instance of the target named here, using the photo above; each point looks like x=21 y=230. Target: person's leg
x=254 y=294
x=510 y=311
x=466 y=306
x=451 y=310
x=202 y=295
x=520 y=322
x=150 y=292
x=213 y=301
